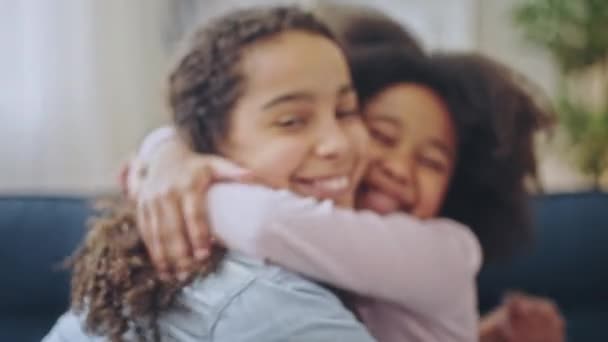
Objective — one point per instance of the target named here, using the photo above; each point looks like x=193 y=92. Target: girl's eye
x=343 y=114
x=432 y=164
x=291 y=121
x=382 y=138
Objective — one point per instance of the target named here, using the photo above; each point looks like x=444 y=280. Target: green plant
x=588 y=133
x=575 y=33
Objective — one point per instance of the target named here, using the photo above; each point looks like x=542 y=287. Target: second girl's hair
x=496 y=117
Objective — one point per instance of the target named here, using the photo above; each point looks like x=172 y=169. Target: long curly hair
x=114 y=284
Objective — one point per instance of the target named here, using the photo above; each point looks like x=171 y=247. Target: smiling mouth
x=324 y=187
x=380 y=201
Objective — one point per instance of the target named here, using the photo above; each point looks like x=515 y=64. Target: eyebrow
x=304 y=96
x=289 y=97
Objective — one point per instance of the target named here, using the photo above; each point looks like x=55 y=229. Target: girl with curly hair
x=454 y=134
x=268 y=88
x=250 y=90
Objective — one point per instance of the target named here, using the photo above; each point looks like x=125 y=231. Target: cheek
x=275 y=163
x=271 y=157
x=355 y=131
x=376 y=151
x=432 y=189
x=360 y=141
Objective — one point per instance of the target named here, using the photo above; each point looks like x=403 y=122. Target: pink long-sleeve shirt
x=415 y=279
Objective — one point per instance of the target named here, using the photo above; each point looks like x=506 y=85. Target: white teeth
x=333 y=184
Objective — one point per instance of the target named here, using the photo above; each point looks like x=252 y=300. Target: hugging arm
x=421 y=265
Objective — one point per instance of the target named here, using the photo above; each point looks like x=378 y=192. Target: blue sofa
x=569 y=262
x=36 y=235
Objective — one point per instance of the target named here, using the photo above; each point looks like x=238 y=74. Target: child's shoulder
x=238 y=275
x=244 y=294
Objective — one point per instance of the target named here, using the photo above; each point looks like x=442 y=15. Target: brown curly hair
x=114 y=283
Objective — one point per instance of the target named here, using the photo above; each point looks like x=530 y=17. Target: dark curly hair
x=114 y=284
x=496 y=116
x=376 y=68
x=494 y=113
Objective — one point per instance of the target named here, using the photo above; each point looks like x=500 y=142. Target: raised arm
x=167 y=180
x=422 y=265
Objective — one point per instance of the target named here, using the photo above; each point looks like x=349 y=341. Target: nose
x=399 y=169
x=333 y=142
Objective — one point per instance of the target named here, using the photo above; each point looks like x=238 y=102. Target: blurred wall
x=85 y=78
x=500 y=39
x=80 y=85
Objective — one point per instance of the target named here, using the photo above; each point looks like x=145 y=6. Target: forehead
x=297 y=60
x=415 y=107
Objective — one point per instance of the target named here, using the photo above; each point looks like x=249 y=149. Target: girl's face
x=297 y=124
x=414 y=149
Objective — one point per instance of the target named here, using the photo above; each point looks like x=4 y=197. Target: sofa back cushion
x=36 y=235
x=568 y=261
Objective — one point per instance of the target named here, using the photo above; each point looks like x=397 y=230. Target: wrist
x=136 y=169
x=155 y=139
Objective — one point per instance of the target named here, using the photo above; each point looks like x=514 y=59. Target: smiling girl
x=440 y=150
x=248 y=89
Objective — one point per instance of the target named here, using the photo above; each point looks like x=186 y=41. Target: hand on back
x=169 y=189
x=524 y=318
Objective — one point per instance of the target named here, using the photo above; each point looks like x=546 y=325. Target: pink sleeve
x=155 y=138
x=421 y=265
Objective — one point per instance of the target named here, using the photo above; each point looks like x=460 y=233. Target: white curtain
x=81 y=84
x=83 y=80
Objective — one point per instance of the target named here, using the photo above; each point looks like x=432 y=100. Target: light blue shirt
x=246 y=300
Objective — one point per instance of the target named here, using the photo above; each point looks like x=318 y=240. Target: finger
x=516 y=307
x=173 y=235
x=143 y=227
x=153 y=211
x=541 y=320
x=542 y=307
x=195 y=214
x=551 y=315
